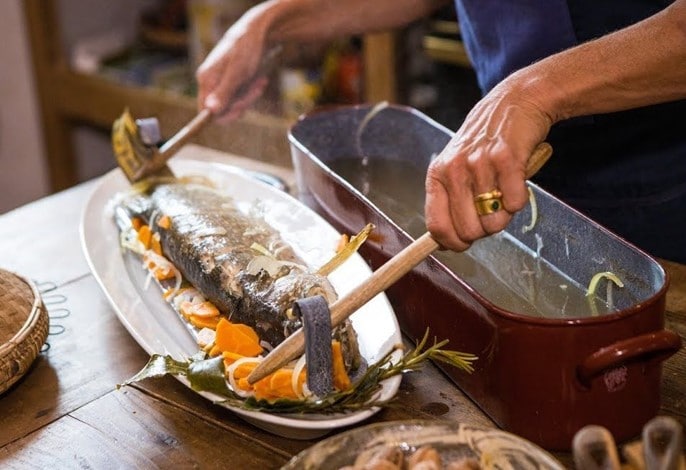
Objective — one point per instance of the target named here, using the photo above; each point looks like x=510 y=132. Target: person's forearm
x=307 y=20
x=640 y=65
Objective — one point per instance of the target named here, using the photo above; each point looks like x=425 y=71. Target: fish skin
x=210 y=240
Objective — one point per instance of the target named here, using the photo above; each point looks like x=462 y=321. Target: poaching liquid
x=502 y=269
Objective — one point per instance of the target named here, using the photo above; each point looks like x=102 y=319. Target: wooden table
x=67 y=413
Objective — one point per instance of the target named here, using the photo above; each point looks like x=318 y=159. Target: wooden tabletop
x=67 y=413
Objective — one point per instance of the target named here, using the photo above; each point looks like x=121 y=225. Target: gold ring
x=489 y=202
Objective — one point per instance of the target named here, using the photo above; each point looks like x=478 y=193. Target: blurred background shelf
x=443 y=43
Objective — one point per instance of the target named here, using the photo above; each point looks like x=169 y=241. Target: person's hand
x=226 y=79
x=488 y=153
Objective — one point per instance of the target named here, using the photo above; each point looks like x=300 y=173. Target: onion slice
x=534 y=211
x=231 y=370
x=297 y=369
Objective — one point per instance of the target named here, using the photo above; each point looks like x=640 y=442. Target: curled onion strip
x=178 y=279
x=277 y=246
x=534 y=211
x=307 y=393
x=376 y=109
x=593 y=285
x=157 y=260
x=161 y=262
x=539 y=245
x=189 y=294
x=297 y=369
x=231 y=370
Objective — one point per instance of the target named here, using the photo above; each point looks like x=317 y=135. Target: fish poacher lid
x=24 y=326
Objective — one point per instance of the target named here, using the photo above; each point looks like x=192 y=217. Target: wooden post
x=380 y=68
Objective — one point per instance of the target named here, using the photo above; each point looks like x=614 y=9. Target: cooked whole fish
x=213 y=244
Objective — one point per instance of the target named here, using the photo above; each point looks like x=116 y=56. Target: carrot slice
x=341 y=380
x=244 y=370
x=281 y=385
x=164 y=222
x=262 y=388
x=155 y=244
x=203 y=322
x=161 y=273
x=244 y=385
x=137 y=223
x=241 y=372
x=236 y=338
x=230 y=357
x=144 y=236
x=247 y=331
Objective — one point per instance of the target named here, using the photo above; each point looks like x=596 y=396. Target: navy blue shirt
x=626 y=170
x=502 y=36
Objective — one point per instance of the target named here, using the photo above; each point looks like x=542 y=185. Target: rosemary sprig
x=414 y=359
x=208 y=375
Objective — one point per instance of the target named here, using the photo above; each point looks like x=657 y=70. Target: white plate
x=158 y=329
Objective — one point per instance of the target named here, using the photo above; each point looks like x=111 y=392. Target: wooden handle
x=383 y=278
x=380 y=280
x=538 y=158
x=178 y=140
x=170 y=147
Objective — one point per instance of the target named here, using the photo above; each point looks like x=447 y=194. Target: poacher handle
x=178 y=140
x=655 y=345
x=380 y=280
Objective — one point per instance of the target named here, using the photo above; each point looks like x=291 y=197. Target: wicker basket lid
x=24 y=326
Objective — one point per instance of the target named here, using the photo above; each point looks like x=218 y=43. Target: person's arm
x=640 y=65
x=237 y=56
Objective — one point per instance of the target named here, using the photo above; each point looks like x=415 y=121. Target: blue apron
x=626 y=170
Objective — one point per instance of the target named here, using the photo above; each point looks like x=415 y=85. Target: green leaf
x=208 y=375
x=158 y=366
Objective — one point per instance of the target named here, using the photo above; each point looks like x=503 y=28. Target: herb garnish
x=207 y=375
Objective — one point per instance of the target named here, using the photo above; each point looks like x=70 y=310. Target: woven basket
x=24 y=326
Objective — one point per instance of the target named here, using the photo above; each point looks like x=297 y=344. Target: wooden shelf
x=450 y=51
x=101 y=101
x=444 y=44
x=380 y=69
